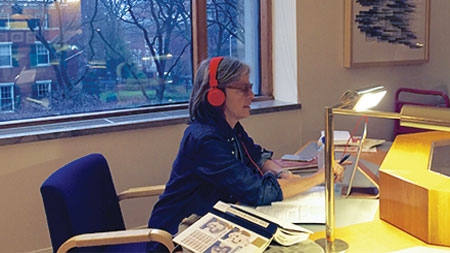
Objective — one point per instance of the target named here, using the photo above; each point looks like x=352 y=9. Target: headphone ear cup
x=215 y=96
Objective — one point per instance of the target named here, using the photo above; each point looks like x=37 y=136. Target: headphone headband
x=215 y=96
x=213 y=66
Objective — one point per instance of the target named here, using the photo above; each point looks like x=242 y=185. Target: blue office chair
x=83 y=211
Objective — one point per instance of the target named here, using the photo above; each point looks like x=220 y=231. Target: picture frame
x=386 y=32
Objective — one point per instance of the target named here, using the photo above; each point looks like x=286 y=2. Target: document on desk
x=306 y=208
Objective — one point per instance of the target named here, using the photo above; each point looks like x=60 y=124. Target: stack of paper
x=307 y=207
x=342 y=137
x=344 y=142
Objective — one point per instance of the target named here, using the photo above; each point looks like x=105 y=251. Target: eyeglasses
x=245 y=88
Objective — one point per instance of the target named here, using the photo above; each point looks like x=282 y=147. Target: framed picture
x=386 y=32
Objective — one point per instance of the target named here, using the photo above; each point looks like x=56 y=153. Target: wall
x=137 y=158
x=308 y=56
x=322 y=77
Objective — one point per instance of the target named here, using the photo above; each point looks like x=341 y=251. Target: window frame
x=199 y=52
x=5 y=16
x=43 y=83
x=11 y=92
x=40 y=48
x=43 y=18
x=9 y=45
x=200 y=41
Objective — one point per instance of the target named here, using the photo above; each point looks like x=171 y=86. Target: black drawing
x=388 y=21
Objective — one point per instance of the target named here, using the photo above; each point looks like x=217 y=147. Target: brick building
x=27 y=67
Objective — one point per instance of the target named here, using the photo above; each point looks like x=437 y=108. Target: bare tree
x=225 y=22
x=121 y=32
x=165 y=30
x=60 y=40
x=58 y=47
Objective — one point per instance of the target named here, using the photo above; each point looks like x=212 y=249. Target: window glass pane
x=43 y=88
x=6 y=94
x=4 y=21
x=99 y=55
x=114 y=54
x=41 y=55
x=5 y=55
x=233 y=30
x=39 y=20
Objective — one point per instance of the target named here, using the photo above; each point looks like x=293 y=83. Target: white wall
x=308 y=54
x=322 y=77
x=137 y=158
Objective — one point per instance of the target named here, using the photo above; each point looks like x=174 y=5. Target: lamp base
x=336 y=246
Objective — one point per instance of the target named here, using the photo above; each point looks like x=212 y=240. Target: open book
x=231 y=228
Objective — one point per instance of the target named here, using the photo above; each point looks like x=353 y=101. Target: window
x=240 y=39
x=42 y=56
x=41 y=19
x=119 y=55
x=4 y=21
x=6 y=97
x=43 y=87
x=5 y=54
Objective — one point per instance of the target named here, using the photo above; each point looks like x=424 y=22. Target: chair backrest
x=80 y=197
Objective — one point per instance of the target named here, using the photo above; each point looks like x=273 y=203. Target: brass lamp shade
x=360 y=100
x=425 y=117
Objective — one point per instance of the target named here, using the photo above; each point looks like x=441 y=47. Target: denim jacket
x=213 y=164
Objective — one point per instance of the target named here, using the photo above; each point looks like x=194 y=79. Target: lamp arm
x=424 y=123
x=367 y=113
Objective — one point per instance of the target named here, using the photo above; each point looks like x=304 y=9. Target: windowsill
x=50 y=131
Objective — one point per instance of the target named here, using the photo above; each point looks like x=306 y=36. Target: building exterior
x=65 y=57
x=28 y=69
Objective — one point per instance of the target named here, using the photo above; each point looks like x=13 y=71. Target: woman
x=217 y=160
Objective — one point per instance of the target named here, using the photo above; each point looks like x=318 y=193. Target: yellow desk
x=376 y=236
x=372 y=234
x=412 y=197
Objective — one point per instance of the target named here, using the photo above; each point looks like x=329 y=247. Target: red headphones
x=215 y=96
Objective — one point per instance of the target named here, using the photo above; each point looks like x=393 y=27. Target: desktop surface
x=357 y=219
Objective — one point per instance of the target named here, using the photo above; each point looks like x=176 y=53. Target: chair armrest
x=144 y=191
x=118 y=237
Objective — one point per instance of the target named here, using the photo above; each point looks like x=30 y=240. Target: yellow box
x=412 y=197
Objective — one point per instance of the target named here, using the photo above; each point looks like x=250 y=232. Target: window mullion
x=266 y=48
x=199 y=33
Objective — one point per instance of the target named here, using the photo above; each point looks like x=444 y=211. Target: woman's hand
x=292 y=184
x=338 y=172
x=288 y=176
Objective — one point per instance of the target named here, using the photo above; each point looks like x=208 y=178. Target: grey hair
x=229 y=71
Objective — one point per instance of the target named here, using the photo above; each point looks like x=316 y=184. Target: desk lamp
x=357 y=103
